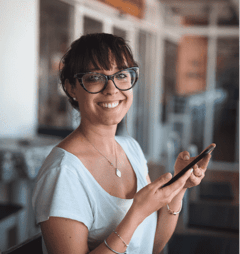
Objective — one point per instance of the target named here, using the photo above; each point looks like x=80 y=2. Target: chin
x=111 y=121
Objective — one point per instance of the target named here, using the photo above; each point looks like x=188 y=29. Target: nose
x=110 y=88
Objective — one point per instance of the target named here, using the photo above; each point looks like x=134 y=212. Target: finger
x=161 y=181
x=195 y=180
x=195 y=167
x=184 y=156
x=203 y=163
x=179 y=183
x=198 y=172
x=174 y=189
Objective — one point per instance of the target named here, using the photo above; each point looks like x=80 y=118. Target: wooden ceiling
x=202 y=8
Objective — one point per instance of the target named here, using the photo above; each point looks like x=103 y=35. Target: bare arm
x=166 y=221
x=69 y=236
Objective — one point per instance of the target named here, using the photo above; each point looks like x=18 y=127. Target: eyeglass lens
x=95 y=82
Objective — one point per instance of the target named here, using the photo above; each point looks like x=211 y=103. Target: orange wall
x=191 y=65
x=132 y=7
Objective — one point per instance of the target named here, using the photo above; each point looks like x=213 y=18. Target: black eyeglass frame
x=107 y=78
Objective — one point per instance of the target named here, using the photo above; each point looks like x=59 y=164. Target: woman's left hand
x=199 y=169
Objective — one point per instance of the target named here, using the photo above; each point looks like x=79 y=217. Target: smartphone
x=190 y=165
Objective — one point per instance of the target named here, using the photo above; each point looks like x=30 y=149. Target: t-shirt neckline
x=96 y=182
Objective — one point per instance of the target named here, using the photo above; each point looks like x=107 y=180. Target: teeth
x=110 y=105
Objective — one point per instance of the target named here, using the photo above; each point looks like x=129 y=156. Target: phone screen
x=191 y=164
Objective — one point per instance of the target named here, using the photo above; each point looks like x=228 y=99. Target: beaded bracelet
x=121 y=238
x=172 y=212
x=112 y=249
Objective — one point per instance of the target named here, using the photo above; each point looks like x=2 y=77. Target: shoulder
x=61 y=189
x=59 y=161
x=60 y=176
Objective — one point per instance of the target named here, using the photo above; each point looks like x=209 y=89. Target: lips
x=109 y=104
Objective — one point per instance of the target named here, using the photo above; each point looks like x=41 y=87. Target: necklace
x=117 y=171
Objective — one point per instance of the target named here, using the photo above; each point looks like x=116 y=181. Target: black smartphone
x=190 y=165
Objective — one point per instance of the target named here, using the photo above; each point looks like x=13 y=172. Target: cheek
x=84 y=102
x=129 y=96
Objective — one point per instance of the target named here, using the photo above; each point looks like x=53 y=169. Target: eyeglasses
x=94 y=82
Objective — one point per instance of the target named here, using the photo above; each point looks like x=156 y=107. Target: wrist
x=120 y=238
x=176 y=202
x=134 y=216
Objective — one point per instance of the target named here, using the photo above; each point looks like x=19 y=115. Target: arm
x=167 y=222
x=69 y=236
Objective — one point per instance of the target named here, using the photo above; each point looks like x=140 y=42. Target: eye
x=122 y=75
x=93 y=78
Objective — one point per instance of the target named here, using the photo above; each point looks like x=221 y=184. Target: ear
x=70 y=89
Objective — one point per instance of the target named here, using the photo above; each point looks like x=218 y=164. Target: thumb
x=182 y=180
x=161 y=181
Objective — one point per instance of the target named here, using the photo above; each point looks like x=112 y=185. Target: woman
x=93 y=193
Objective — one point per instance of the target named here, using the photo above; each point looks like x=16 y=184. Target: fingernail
x=191 y=170
x=186 y=157
x=168 y=176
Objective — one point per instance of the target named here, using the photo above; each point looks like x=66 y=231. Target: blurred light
x=217 y=96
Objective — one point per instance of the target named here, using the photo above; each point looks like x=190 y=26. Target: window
x=55 y=36
x=92 y=26
x=226 y=107
x=143 y=91
x=119 y=32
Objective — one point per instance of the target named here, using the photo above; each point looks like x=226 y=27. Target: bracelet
x=120 y=238
x=172 y=212
x=112 y=249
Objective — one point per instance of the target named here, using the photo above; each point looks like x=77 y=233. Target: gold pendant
x=118 y=172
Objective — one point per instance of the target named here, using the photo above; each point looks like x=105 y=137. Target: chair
x=31 y=245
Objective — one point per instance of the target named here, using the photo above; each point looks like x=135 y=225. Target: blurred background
x=186 y=98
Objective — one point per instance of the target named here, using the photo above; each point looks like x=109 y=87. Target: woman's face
x=105 y=108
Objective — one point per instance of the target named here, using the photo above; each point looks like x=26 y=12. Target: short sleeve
x=59 y=193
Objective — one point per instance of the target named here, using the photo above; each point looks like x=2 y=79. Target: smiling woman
x=94 y=52
x=93 y=193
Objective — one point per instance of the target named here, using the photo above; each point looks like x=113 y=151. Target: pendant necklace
x=117 y=171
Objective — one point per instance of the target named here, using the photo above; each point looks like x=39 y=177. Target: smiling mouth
x=109 y=105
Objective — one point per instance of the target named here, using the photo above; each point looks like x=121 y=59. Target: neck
x=101 y=137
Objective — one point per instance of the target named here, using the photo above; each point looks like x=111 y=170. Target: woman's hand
x=199 y=169
x=151 y=198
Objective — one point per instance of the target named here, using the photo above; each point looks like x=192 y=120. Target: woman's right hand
x=151 y=198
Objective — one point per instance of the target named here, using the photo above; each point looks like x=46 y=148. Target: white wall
x=19 y=31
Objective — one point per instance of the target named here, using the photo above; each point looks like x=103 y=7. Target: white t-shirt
x=65 y=188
